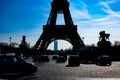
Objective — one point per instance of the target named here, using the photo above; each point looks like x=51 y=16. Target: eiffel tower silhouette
x=52 y=32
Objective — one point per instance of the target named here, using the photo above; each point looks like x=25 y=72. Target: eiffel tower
x=52 y=32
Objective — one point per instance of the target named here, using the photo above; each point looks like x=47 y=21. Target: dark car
x=74 y=61
x=104 y=60
x=60 y=59
x=54 y=57
x=10 y=63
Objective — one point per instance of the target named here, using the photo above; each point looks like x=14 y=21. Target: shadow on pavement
x=13 y=76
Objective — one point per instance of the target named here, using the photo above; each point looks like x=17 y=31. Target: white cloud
x=107 y=9
x=79 y=12
x=108 y=21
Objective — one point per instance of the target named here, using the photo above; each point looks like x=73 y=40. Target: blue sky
x=27 y=17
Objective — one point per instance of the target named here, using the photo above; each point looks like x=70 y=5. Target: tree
x=3 y=44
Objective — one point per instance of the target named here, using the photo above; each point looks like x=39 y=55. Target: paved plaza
x=59 y=71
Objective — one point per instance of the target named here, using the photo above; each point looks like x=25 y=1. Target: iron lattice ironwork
x=51 y=31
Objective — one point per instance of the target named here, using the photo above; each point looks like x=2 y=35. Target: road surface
x=59 y=71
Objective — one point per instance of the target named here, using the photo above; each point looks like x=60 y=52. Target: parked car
x=60 y=59
x=10 y=63
x=104 y=60
x=54 y=57
x=73 y=61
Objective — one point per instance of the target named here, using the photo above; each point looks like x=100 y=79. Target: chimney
x=23 y=39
